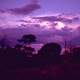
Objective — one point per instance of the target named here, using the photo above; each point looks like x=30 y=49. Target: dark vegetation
x=19 y=63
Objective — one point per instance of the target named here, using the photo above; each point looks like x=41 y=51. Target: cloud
x=43 y=35
x=76 y=19
x=2 y=11
x=65 y=19
x=27 y=9
x=53 y=19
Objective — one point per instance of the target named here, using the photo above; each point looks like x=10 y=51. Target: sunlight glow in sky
x=59 y=25
x=55 y=18
x=64 y=12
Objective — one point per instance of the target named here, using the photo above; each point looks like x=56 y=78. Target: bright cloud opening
x=59 y=25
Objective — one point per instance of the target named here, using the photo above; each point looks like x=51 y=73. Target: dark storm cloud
x=27 y=9
x=22 y=21
x=76 y=19
x=54 y=18
x=49 y=35
x=2 y=11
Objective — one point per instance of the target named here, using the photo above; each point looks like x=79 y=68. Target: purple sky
x=49 y=20
x=46 y=6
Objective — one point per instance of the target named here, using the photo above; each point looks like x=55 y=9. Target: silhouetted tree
x=50 y=49
x=27 y=39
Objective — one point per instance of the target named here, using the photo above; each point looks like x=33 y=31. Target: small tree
x=27 y=39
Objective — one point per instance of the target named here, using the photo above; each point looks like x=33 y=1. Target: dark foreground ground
x=14 y=65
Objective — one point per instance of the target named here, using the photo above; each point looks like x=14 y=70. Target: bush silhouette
x=50 y=49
